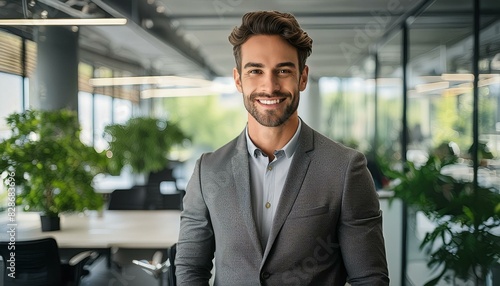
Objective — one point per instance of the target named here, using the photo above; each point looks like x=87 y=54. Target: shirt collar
x=289 y=148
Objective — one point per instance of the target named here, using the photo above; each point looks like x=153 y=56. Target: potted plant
x=143 y=143
x=483 y=153
x=462 y=245
x=52 y=168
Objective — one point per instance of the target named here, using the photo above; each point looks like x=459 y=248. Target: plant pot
x=50 y=223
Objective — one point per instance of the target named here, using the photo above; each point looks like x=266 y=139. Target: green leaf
x=53 y=168
x=143 y=143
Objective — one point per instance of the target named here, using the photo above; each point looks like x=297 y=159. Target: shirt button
x=269 y=168
x=265 y=275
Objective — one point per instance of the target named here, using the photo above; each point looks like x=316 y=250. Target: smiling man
x=280 y=204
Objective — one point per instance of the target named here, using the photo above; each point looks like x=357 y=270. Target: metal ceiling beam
x=162 y=28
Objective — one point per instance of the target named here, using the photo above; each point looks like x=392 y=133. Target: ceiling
x=189 y=37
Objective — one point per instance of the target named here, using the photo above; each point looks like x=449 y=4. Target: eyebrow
x=258 y=65
x=253 y=65
x=285 y=64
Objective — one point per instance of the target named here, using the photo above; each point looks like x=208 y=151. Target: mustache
x=270 y=95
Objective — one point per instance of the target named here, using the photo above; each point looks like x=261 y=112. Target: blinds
x=30 y=58
x=11 y=61
x=11 y=55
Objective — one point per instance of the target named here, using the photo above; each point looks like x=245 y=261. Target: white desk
x=126 y=229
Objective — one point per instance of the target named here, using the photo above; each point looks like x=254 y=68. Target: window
x=11 y=99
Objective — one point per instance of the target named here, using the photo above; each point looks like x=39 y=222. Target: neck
x=269 y=139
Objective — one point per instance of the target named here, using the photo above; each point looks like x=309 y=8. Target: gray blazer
x=327 y=227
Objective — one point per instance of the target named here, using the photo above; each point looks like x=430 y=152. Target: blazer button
x=265 y=275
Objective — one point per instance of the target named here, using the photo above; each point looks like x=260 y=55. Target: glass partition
x=440 y=108
x=347 y=107
x=489 y=107
x=85 y=107
x=389 y=99
x=439 y=86
x=103 y=107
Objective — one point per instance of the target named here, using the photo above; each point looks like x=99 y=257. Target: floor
x=130 y=274
x=127 y=274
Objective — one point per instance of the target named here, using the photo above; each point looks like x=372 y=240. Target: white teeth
x=274 y=101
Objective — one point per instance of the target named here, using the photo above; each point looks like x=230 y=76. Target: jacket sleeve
x=195 y=247
x=360 y=233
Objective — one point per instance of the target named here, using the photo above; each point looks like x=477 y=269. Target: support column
x=310 y=104
x=56 y=84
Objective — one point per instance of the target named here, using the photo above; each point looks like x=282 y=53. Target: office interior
x=392 y=78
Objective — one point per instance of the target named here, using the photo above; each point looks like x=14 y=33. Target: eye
x=283 y=72
x=254 y=72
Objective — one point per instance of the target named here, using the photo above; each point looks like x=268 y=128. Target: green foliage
x=483 y=152
x=465 y=216
x=52 y=167
x=211 y=122
x=143 y=143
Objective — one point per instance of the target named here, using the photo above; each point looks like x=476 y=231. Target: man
x=280 y=204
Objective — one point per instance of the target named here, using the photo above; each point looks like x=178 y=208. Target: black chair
x=172 y=201
x=171 y=271
x=37 y=263
x=155 y=199
x=155 y=178
x=128 y=199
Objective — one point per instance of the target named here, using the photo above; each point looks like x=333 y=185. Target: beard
x=275 y=117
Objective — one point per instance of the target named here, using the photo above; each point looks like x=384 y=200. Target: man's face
x=270 y=80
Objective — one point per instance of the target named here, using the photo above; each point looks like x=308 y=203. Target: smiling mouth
x=270 y=101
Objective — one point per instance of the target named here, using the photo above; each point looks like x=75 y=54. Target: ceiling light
x=154 y=80
x=177 y=92
x=426 y=87
x=160 y=9
x=495 y=79
x=458 y=77
x=457 y=90
x=495 y=62
x=64 y=22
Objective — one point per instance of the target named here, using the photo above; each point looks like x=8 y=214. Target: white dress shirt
x=267 y=180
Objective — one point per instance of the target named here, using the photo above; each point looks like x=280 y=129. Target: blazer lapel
x=295 y=178
x=241 y=177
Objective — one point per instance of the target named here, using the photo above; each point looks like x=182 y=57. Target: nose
x=269 y=83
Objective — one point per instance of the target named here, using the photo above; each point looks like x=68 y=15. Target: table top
x=126 y=229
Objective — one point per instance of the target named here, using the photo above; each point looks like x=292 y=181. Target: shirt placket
x=270 y=199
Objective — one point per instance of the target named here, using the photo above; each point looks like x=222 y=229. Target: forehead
x=268 y=50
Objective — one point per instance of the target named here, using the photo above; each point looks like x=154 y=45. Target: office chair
x=155 y=198
x=173 y=201
x=37 y=263
x=164 y=272
x=128 y=199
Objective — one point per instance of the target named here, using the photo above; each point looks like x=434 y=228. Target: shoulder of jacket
x=325 y=144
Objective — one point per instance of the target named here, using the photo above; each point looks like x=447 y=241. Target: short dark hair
x=271 y=23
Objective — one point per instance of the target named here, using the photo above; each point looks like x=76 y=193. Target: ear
x=303 y=78
x=237 y=80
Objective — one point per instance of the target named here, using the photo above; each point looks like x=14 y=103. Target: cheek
x=248 y=85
